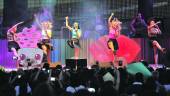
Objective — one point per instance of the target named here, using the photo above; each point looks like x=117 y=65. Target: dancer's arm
x=18 y=24
x=37 y=21
x=159 y=31
x=14 y=27
x=15 y=37
x=67 y=25
x=110 y=19
x=132 y=25
x=154 y=25
x=149 y=31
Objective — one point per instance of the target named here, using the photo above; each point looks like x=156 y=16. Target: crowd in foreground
x=82 y=82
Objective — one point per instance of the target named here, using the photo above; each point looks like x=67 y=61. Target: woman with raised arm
x=114 y=31
x=76 y=34
x=153 y=32
x=13 y=46
x=46 y=33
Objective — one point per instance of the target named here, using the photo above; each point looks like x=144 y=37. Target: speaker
x=70 y=63
x=81 y=63
x=73 y=63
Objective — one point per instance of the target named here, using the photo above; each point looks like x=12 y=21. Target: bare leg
x=16 y=57
x=155 y=55
x=111 y=46
x=115 y=58
x=156 y=44
x=115 y=54
x=76 y=52
x=14 y=51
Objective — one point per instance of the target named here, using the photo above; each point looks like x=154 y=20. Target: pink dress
x=112 y=32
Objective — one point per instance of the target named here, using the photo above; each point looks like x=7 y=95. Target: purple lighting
x=5 y=56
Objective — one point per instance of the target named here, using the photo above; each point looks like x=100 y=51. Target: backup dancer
x=13 y=46
x=138 y=26
x=153 y=32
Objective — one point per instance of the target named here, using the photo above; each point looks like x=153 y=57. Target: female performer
x=76 y=34
x=114 y=32
x=153 y=32
x=11 y=37
x=46 y=33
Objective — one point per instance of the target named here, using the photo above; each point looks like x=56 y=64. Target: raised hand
x=112 y=14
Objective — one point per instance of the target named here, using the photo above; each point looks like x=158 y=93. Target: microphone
x=158 y=22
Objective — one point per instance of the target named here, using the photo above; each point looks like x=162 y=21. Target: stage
x=62 y=52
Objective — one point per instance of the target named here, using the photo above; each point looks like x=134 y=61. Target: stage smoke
x=93 y=27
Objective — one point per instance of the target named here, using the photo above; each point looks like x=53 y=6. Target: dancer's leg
x=111 y=46
x=76 y=52
x=70 y=43
x=15 y=57
x=14 y=51
x=155 y=55
x=45 y=49
x=156 y=44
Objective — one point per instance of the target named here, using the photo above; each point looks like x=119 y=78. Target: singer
x=114 y=31
x=76 y=34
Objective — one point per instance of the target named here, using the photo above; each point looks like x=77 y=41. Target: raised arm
x=14 y=27
x=110 y=18
x=150 y=26
x=37 y=21
x=159 y=31
x=18 y=24
x=67 y=25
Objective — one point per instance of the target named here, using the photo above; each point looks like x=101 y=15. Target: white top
x=44 y=34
